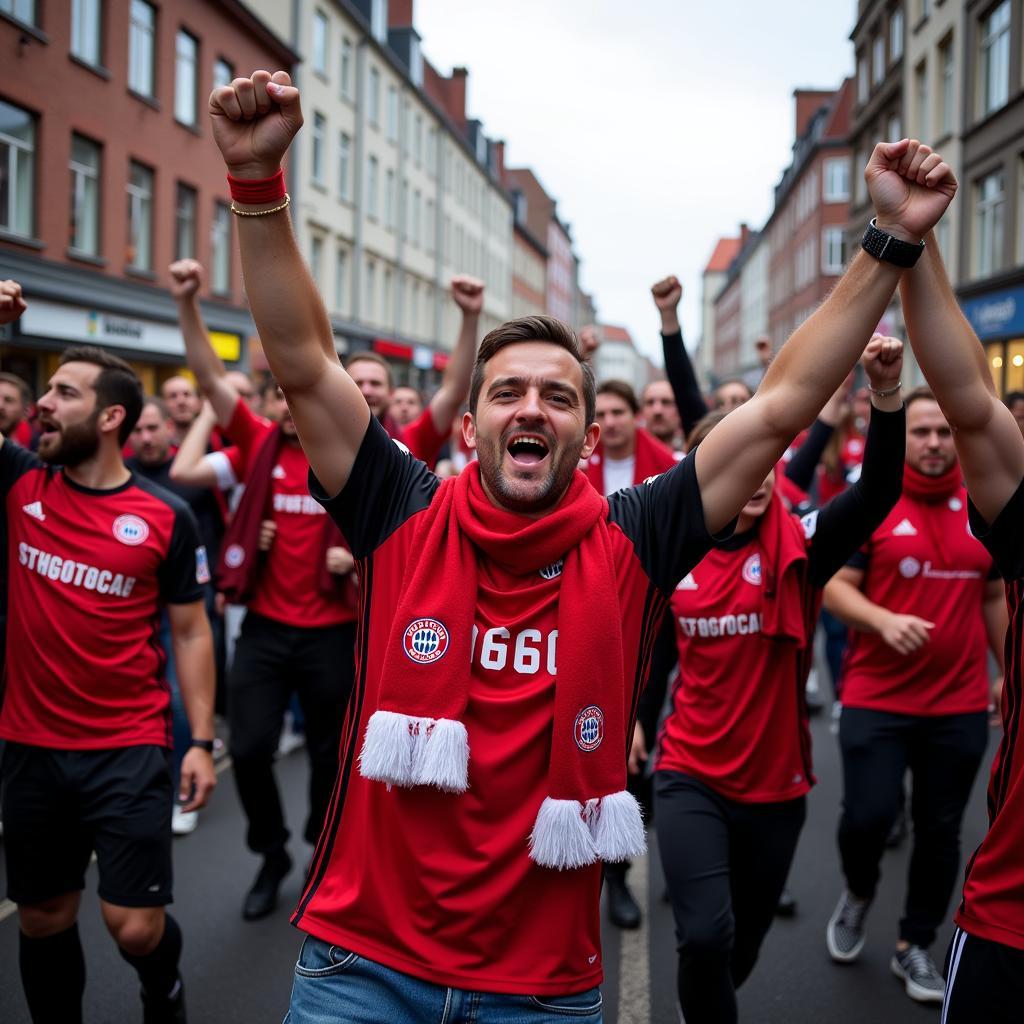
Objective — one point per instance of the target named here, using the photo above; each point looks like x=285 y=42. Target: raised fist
x=883 y=361
x=910 y=186
x=186 y=278
x=254 y=121
x=667 y=293
x=468 y=293
x=589 y=341
x=12 y=305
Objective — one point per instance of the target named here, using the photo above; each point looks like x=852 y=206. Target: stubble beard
x=526 y=496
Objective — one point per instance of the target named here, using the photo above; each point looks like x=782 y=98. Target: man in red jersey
x=95 y=551
x=406 y=405
x=924 y=608
x=985 y=965
x=460 y=865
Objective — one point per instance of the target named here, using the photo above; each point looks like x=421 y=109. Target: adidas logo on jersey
x=279 y=473
x=35 y=510
x=905 y=529
x=688 y=583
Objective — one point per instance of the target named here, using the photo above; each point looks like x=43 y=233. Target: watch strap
x=888 y=248
x=206 y=745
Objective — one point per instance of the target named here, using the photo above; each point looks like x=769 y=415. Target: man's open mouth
x=528 y=449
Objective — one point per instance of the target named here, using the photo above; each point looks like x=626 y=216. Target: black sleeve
x=186 y=568
x=386 y=486
x=682 y=379
x=800 y=469
x=845 y=524
x=664 y=519
x=15 y=462
x=1004 y=539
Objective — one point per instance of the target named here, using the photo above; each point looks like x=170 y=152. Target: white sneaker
x=290 y=740
x=183 y=822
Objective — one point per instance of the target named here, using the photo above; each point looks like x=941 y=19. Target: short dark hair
x=1008 y=399
x=621 y=389
x=533 y=328
x=368 y=356
x=732 y=380
x=268 y=383
x=703 y=427
x=24 y=390
x=158 y=404
x=116 y=384
x=921 y=394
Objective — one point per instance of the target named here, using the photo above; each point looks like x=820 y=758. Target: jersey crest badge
x=909 y=568
x=687 y=582
x=202 y=565
x=278 y=472
x=234 y=556
x=905 y=528
x=955 y=504
x=35 y=510
x=752 y=570
x=426 y=641
x=589 y=728
x=131 y=530
x=552 y=571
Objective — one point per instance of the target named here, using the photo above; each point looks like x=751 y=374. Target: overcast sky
x=658 y=125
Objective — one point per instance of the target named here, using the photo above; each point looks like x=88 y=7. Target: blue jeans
x=332 y=984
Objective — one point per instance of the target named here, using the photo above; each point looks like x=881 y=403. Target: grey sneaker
x=845 y=933
x=920 y=976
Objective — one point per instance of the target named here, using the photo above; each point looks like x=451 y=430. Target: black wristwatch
x=206 y=745
x=889 y=248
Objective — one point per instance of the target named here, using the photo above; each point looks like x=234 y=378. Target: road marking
x=634 y=954
x=7 y=908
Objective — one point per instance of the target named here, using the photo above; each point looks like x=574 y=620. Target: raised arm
x=468 y=293
x=987 y=438
x=667 y=294
x=254 y=121
x=190 y=465
x=735 y=457
x=202 y=359
x=12 y=305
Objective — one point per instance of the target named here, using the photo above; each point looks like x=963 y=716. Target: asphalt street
x=241 y=972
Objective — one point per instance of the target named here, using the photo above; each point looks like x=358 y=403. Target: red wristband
x=253 y=191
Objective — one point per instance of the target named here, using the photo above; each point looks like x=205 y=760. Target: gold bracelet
x=261 y=213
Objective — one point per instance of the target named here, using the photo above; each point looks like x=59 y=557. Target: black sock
x=158 y=970
x=53 y=976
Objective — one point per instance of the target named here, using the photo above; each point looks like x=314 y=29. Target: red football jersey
x=288 y=589
x=993 y=901
x=737 y=721
x=421 y=437
x=441 y=886
x=923 y=561
x=87 y=573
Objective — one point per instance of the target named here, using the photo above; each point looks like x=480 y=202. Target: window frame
x=143 y=201
x=134 y=32
x=80 y=175
x=17 y=167
x=220 y=235
x=182 y=34
x=77 y=29
x=182 y=189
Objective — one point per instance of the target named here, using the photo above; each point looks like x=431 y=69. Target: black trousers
x=985 y=982
x=726 y=865
x=272 y=661
x=943 y=754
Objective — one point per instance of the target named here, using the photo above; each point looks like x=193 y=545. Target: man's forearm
x=200 y=354
x=457 y=375
x=193 y=659
x=850 y=606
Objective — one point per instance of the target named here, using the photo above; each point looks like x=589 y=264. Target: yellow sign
x=227 y=346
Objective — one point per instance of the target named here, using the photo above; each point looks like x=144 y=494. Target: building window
x=392 y=126
x=186 y=50
x=995 y=59
x=320 y=31
x=223 y=73
x=86 y=30
x=389 y=199
x=417 y=216
x=373 y=100
x=17 y=169
x=340 y=280
x=344 y=163
x=370 y=312
x=417 y=137
x=372 y=187
x=23 y=10
x=185 y=206
x=947 y=100
x=140 y=48
x=894 y=128
x=862 y=80
x=432 y=152
x=316 y=259
x=85 y=196
x=942 y=236
x=379 y=20
x=833 y=250
x=345 y=67
x=428 y=226
x=220 y=247
x=896 y=35
x=921 y=100
x=988 y=219
x=878 y=59
x=140 y=217
x=319 y=145
x=837 y=180
x=403 y=207
x=385 y=315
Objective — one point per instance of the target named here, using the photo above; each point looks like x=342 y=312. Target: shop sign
x=997 y=315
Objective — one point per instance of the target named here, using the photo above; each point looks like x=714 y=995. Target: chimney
x=457 y=95
x=400 y=13
x=499 y=160
x=744 y=235
x=808 y=103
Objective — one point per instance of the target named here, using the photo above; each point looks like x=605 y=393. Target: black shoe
x=623 y=910
x=786 y=907
x=169 y=1010
x=262 y=897
x=898 y=832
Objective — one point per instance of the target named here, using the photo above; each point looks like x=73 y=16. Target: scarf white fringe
x=560 y=837
x=402 y=750
x=617 y=826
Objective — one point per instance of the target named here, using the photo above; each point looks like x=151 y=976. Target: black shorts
x=61 y=805
x=984 y=982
